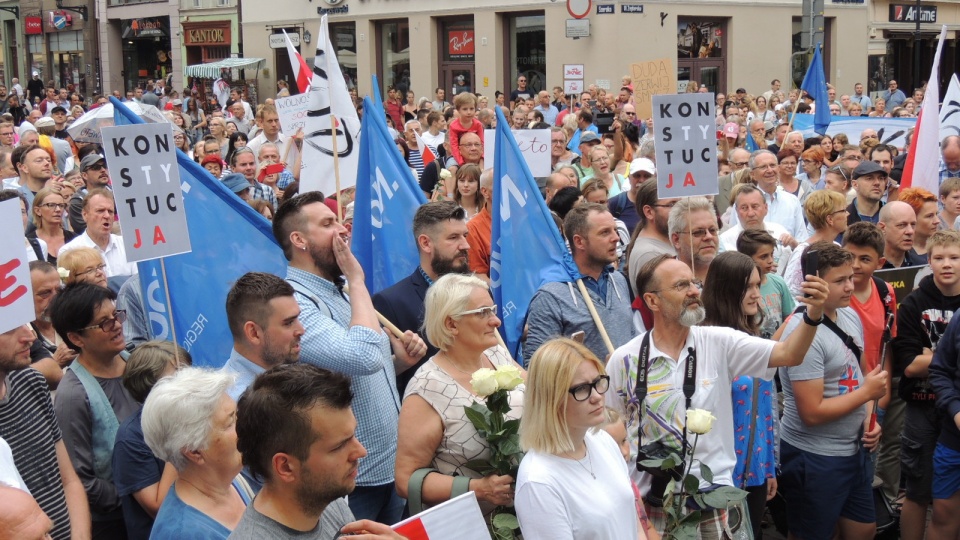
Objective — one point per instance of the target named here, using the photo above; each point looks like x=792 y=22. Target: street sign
x=631 y=8
x=605 y=9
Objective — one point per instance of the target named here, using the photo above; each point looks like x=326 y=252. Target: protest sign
x=534 y=145
x=684 y=131
x=147 y=189
x=16 y=296
x=293 y=112
x=903 y=280
x=651 y=78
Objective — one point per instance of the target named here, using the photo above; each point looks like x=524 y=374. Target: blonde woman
x=48 y=208
x=573 y=482
x=83 y=265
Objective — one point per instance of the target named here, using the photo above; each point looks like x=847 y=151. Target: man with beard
x=98 y=213
x=694 y=233
x=93 y=170
x=264 y=321
x=92 y=394
x=344 y=335
x=670 y=290
x=46 y=355
x=440 y=229
x=295 y=430
x=35 y=168
x=559 y=309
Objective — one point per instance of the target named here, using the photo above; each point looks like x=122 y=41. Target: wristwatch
x=811 y=322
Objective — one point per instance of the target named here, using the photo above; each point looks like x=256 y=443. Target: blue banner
x=525 y=238
x=890 y=131
x=815 y=84
x=229 y=238
x=387 y=198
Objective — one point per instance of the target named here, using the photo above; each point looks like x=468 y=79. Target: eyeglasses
x=55 y=206
x=669 y=205
x=764 y=167
x=682 y=286
x=97 y=167
x=739 y=164
x=95 y=269
x=581 y=392
x=700 y=233
x=630 y=113
x=842 y=210
x=119 y=317
x=484 y=312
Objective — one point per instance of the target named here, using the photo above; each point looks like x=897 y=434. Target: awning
x=212 y=70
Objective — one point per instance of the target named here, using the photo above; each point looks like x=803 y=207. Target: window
x=344 y=39
x=528 y=51
x=393 y=55
x=701 y=53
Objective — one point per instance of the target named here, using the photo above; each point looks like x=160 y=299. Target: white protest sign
x=685 y=137
x=146 y=183
x=293 y=112
x=534 y=145
x=16 y=291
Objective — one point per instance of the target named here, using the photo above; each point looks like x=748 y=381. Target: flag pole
x=336 y=165
x=595 y=315
x=173 y=326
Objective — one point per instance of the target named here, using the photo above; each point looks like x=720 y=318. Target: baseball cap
x=45 y=121
x=236 y=183
x=58 y=109
x=36 y=73
x=642 y=164
x=867 y=167
x=731 y=129
x=90 y=160
x=588 y=137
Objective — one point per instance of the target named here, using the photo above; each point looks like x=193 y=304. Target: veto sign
x=16 y=292
x=534 y=145
x=292 y=111
x=147 y=189
x=685 y=136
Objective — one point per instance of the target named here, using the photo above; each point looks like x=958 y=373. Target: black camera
x=660 y=476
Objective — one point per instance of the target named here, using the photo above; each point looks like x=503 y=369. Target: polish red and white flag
x=301 y=71
x=458 y=518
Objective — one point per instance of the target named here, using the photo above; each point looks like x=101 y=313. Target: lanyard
x=689 y=382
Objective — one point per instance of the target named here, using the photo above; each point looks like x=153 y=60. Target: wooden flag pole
x=336 y=165
x=595 y=315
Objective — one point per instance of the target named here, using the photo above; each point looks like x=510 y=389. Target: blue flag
x=815 y=84
x=229 y=238
x=525 y=239
x=387 y=199
x=750 y=144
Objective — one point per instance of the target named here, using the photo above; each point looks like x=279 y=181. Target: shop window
x=702 y=53
x=344 y=39
x=800 y=66
x=527 y=36
x=457 y=44
x=393 y=55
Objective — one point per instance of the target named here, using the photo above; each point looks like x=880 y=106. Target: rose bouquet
x=683 y=519
x=501 y=435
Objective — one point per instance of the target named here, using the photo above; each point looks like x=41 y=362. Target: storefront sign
x=32 y=25
x=460 y=44
x=685 y=138
x=908 y=13
x=631 y=8
x=651 y=78
x=342 y=10
x=206 y=36
x=147 y=189
x=605 y=9
x=147 y=27
x=277 y=41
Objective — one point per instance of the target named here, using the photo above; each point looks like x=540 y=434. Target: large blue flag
x=229 y=238
x=387 y=199
x=751 y=144
x=526 y=248
x=815 y=84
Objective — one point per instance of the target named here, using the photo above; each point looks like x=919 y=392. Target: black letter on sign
x=118 y=147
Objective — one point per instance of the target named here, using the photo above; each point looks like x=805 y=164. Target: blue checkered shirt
x=365 y=356
x=946 y=173
x=264 y=193
x=286 y=178
x=244 y=372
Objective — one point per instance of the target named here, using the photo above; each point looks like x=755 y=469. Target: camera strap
x=640 y=389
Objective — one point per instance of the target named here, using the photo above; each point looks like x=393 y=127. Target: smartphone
x=592 y=102
x=270 y=169
x=809 y=264
x=578 y=336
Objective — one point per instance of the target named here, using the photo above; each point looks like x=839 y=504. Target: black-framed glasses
x=55 y=206
x=95 y=269
x=119 y=317
x=484 y=312
x=700 y=233
x=682 y=286
x=843 y=210
x=581 y=392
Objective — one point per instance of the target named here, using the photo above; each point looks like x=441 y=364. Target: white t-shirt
x=723 y=354
x=558 y=499
x=9 y=474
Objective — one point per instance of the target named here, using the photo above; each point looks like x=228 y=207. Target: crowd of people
x=759 y=304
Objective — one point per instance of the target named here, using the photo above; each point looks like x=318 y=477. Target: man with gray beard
x=713 y=357
x=440 y=229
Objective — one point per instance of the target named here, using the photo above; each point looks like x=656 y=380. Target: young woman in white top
x=573 y=483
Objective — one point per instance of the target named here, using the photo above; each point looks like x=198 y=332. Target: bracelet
x=811 y=322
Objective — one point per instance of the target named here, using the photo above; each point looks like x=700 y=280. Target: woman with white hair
x=189 y=421
x=573 y=482
x=434 y=433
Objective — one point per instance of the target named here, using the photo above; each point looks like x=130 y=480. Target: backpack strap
x=844 y=337
x=301 y=289
x=105 y=423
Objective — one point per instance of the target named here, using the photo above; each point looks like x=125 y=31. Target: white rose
x=508 y=377
x=444 y=174
x=484 y=382
x=699 y=421
x=64 y=273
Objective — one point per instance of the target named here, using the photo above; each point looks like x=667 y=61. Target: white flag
x=950 y=110
x=328 y=95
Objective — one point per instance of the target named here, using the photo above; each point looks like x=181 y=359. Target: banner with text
x=903 y=280
x=293 y=112
x=16 y=296
x=651 y=78
x=147 y=190
x=534 y=145
x=685 y=135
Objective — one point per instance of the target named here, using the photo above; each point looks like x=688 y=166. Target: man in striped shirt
x=28 y=424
